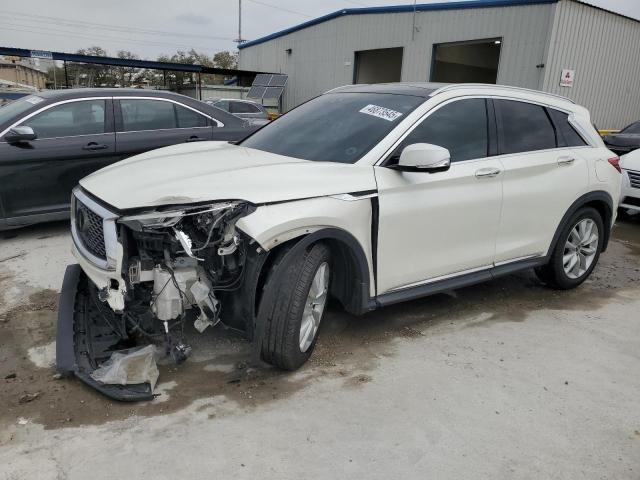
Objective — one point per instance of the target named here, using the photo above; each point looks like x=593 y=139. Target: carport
x=244 y=77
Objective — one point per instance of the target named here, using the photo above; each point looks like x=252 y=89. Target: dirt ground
x=506 y=379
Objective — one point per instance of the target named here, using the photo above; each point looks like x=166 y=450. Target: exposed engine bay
x=176 y=267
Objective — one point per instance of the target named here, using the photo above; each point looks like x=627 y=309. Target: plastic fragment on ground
x=129 y=367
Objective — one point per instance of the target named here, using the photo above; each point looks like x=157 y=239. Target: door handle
x=566 y=160
x=94 y=146
x=193 y=138
x=487 y=172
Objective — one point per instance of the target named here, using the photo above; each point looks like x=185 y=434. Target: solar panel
x=273 y=93
x=256 y=92
x=262 y=79
x=278 y=81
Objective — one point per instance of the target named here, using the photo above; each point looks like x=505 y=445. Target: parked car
x=252 y=111
x=630 y=195
x=9 y=96
x=625 y=140
x=371 y=194
x=50 y=140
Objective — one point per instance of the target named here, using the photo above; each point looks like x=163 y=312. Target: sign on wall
x=41 y=54
x=566 y=80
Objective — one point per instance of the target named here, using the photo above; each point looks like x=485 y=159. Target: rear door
x=75 y=138
x=542 y=178
x=144 y=124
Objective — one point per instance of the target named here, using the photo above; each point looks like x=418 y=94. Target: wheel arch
x=350 y=270
x=601 y=201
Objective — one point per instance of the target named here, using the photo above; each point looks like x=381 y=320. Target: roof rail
x=455 y=86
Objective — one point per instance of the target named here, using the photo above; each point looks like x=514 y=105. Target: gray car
x=52 y=139
x=255 y=113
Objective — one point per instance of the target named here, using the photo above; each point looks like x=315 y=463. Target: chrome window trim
x=487 y=97
x=108 y=228
x=47 y=107
x=160 y=99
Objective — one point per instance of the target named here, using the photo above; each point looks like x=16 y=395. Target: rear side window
x=70 y=119
x=523 y=127
x=567 y=135
x=189 y=119
x=242 y=107
x=147 y=115
x=460 y=127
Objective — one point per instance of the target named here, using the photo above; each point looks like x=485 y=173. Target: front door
x=74 y=139
x=434 y=225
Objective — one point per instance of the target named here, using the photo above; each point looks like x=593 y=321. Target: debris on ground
x=28 y=397
x=10 y=376
x=129 y=367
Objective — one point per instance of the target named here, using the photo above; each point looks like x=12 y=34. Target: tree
x=125 y=76
x=225 y=59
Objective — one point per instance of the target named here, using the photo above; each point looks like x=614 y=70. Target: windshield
x=15 y=108
x=336 y=127
x=633 y=128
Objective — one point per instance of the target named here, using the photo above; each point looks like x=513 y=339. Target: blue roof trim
x=425 y=7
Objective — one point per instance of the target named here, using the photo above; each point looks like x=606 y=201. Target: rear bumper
x=83 y=339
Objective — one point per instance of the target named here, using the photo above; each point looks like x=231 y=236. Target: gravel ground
x=502 y=380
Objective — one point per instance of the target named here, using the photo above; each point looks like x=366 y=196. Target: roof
x=425 y=7
x=416 y=89
x=106 y=92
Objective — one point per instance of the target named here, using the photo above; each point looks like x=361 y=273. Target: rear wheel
x=293 y=307
x=576 y=252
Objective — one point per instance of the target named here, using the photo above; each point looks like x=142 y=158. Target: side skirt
x=460 y=281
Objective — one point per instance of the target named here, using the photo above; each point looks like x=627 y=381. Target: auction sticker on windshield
x=381 y=112
x=34 y=100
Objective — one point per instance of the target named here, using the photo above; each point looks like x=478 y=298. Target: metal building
x=566 y=47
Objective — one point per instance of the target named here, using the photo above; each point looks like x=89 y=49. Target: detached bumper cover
x=86 y=337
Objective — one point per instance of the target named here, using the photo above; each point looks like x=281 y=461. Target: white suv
x=371 y=194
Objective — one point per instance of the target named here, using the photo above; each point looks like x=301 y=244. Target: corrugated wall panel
x=322 y=55
x=604 y=50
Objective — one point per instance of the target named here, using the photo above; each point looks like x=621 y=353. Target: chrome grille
x=89 y=227
x=634 y=178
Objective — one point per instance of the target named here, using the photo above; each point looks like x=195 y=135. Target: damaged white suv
x=371 y=195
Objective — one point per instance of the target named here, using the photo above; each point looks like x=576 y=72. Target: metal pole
x=55 y=80
x=239 y=22
x=66 y=75
x=199 y=87
x=413 y=30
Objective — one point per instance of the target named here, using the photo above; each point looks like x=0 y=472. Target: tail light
x=272 y=116
x=615 y=162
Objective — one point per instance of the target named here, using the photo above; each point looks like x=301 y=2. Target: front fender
x=273 y=224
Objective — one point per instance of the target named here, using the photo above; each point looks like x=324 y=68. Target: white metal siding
x=323 y=55
x=604 y=50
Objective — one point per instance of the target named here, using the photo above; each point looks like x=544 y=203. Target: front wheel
x=576 y=252
x=294 y=306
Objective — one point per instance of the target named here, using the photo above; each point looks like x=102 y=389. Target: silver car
x=254 y=112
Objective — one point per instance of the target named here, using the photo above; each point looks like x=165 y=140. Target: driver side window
x=85 y=117
x=459 y=126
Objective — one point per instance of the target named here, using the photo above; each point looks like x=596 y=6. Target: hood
x=206 y=171
x=622 y=139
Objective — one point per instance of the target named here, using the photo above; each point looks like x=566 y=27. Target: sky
x=153 y=27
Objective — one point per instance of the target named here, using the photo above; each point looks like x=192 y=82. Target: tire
x=576 y=252
x=288 y=307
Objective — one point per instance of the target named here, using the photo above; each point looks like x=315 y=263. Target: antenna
x=239 y=40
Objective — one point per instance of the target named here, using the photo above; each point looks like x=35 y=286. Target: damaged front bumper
x=88 y=334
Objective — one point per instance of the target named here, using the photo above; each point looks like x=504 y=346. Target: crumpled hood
x=204 y=171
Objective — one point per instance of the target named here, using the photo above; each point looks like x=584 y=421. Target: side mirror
x=20 y=134
x=423 y=157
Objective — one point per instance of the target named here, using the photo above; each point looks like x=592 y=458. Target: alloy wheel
x=314 y=307
x=580 y=249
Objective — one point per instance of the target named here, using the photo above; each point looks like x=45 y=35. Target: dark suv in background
x=50 y=140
